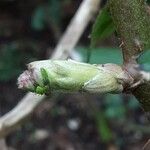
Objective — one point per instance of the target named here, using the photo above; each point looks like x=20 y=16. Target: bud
x=47 y=76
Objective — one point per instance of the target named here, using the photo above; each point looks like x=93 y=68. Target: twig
x=147 y=145
x=76 y=28
x=16 y=117
x=3 y=145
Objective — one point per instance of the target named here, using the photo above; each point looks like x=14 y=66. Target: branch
x=74 y=31
x=132 y=22
x=3 y=145
x=16 y=117
x=147 y=145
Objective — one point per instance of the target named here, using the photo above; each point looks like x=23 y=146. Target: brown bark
x=132 y=22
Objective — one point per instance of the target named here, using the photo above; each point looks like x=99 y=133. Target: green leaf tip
x=45 y=76
x=102 y=28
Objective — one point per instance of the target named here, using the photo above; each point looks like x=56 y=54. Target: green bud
x=47 y=76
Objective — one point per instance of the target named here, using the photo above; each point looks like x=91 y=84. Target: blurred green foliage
x=148 y=1
x=144 y=60
x=38 y=18
x=13 y=60
x=46 y=14
x=9 y=62
x=112 y=55
x=102 y=55
x=144 y=57
x=114 y=107
x=103 y=127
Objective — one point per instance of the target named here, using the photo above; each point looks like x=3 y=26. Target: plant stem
x=133 y=26
x=132 y=22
